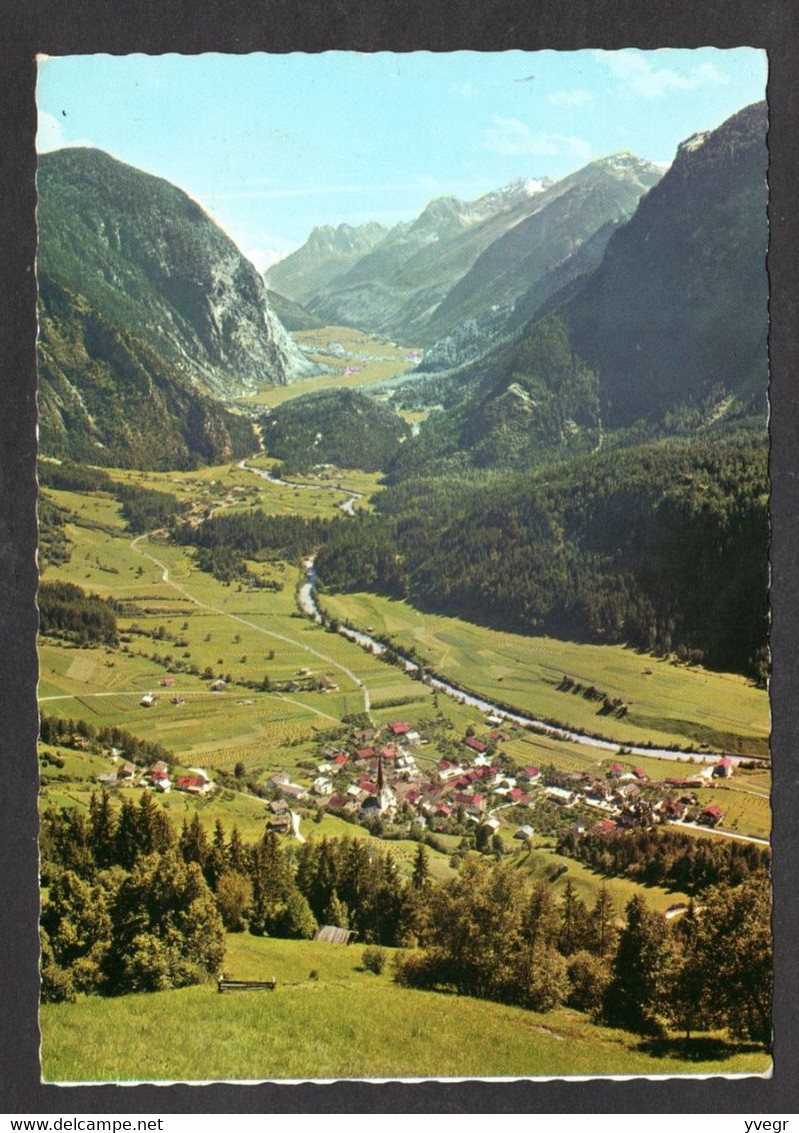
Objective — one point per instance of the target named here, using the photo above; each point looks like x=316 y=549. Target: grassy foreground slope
x=670 y=704
x=345 y=1024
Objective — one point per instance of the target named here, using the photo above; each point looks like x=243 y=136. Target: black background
x=159 y=26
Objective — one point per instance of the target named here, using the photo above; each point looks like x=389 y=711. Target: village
x=385 y=774
x=391 y=775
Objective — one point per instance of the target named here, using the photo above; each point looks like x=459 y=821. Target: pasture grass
x=347 y=1023
x=539 y=860
x=669 y=703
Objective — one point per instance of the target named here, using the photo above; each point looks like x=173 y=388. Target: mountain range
x=668 y=333
x=461 y=260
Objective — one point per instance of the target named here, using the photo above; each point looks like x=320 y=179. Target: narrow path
x=134 y=545
x=721 y=833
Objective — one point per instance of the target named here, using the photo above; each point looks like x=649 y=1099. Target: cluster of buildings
x=157 y=777
x=388 y=775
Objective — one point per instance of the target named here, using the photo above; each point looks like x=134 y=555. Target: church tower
x=385 y=795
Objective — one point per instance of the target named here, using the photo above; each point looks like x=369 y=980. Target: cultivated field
x=669 y=704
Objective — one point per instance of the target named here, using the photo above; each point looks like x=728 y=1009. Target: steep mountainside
x=106 y=397
x=394 y=288
x=292 y=315
x=535 y=252
x=475 y=336
x=678 y=307
x=150 y=261
x=328 y=252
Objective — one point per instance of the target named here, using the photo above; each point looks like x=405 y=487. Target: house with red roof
x=464 y=799
x=723 y=768
x=366 y=753
x=399 y=728
x=475 y=744
x=192 y=784
x=711 y=816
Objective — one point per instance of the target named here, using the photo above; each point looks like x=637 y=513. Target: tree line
x=663 y=547
x=225 y=541
x=666 y=857
x=145 y=509
x=135 y=905
x=63 y=731
x=490 y=934
x=339 y=426
x=65 y=610
x=124 y=885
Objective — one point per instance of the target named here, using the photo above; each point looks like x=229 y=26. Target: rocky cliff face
x=678 y=307
x=146 y=257
x=106 y=397
x=328 y=252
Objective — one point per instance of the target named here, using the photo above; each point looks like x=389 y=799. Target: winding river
x=306 y=597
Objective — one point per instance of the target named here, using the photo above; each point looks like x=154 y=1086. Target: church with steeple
x=384 y=798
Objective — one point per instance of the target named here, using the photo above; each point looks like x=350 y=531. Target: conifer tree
x=634 y=995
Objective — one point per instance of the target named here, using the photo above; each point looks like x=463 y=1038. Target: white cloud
x=512 y=137
x=577 y=97
x=50 y=134
x=637 y=77
x=264 y=258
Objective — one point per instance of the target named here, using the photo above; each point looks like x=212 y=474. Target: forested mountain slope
x=678 y=306
x=150 y=261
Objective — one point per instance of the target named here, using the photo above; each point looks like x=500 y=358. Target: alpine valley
x=414 y=594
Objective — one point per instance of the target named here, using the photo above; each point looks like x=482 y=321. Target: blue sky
x=272 y=145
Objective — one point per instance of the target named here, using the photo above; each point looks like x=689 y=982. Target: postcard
x=403 y=538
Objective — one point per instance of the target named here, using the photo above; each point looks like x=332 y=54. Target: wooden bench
x=245 y=985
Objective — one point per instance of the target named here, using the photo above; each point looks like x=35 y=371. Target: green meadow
x=669 y=703
x=177 y=613
x=344 y=1023
x=385 y=360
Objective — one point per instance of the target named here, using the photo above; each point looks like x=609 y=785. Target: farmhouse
x=293 y=791
x=560 y=796
x=279 y=824
x=193 y=784
x=711 y=816
x=723 y=769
